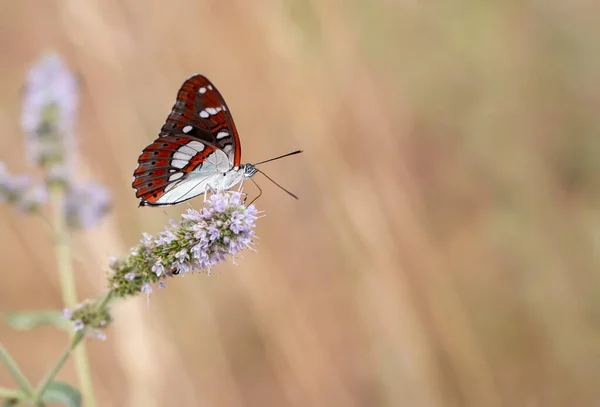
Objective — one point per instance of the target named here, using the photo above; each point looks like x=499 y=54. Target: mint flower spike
x=199 y=241
x=49 y=108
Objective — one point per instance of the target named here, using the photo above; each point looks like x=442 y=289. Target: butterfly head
x=249 y=170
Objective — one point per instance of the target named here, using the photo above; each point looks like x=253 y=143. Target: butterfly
x=197 y=150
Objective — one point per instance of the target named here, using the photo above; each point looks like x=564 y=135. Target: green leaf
x=28 y=320
x=11 y=402
x=60 y=392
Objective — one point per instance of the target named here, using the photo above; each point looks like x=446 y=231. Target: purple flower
x=33 y=198
x=67 y=313
x=182 y=255
x=49 y=109
x=164 y=238
x=97 y=334
x=213 y=232
x=86 y=204
x=147 y=240
x=216 y=204
x=182 y=267
x=158 y=268
x=12 y=187
x=199 y=241
x=236 y=222
x=129 y=276
x=21 y=191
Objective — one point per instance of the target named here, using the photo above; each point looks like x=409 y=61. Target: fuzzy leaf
x=60 y=392
x=28 y=320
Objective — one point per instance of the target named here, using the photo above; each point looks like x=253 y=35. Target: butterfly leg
x=241 y=184
x=245 y=195
x=207 y=189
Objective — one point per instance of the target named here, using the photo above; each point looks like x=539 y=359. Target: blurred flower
x=86 y=204
x=199 y=241
x=59 y=175
x=21 y=191
x=91 y=315
x=33 y=198
x=49 y=107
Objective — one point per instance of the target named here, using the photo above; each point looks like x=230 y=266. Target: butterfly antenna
x=277 y=158
x=271 y=179
x=259 y=192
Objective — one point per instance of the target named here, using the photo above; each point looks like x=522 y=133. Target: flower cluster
x=199 y=241
x=90 y=315
x=49 y=108
x=21 y=191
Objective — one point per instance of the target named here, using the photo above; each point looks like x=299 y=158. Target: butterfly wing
x=176 y=168
x=197 y=142
x=200 y=111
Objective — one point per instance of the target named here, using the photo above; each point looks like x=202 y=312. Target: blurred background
x=445 y=247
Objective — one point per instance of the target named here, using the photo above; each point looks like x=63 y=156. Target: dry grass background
x=445 y=250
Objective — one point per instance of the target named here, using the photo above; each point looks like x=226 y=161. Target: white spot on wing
x=202 y=90
x=211 y=110
x=224 y=108
x=210 y=87
x=228 y=148
x=187 y=129
x=186 y=150
x=204 y=114
x=176 y=176
x=179 y=163
x=181 y=156
x=196 y=145
x=222 y=134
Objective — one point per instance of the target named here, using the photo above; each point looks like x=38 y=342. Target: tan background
x=445 y=249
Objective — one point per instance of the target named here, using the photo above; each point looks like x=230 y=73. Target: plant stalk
x=16 y=373
x=69 y=294
x=43 y=386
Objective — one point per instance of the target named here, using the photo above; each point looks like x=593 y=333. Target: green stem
x=106 y=299
x=14 y=370
x=43 y=386
x=63 y=251
x=67 y=284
